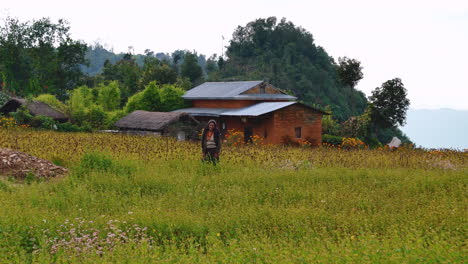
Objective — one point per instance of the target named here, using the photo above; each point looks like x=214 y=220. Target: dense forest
x=95 y=86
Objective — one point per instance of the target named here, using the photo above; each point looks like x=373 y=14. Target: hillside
x=287 y=56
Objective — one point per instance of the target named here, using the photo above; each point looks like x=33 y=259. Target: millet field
x=130 y=199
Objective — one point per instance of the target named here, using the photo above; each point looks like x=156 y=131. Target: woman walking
x=211 y=142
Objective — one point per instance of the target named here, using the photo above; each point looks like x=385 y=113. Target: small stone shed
x=36 y=108
x=176 y=124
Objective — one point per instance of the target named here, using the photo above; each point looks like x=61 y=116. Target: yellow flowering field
x=133 y=199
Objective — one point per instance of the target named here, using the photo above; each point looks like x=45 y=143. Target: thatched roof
x=35 y=108
x=153 y=121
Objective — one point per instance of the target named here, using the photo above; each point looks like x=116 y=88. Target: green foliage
x=190 y=68
x=148 y=100
x=357 y=126
x=102 y=162
x=171 y=98
x=113 y=117
x=155 y=70
x=109 y=96
x=329 y=124
x=287 y=57
x=39 y=56
x=126 y=72
x=69 y=127
x=349 y=71
x=333 y=140
x=43 y=122
x=4 y=98
x=96 y=117
x=389 y=104
x=53 y=102
x=22 y=116
x=81 y=98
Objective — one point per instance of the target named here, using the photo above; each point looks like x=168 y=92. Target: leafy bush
x=109 y=96
x=69 y=127
x=22 y=116
x=81 y=98
x=114 y=117
x=44 y=122
x=171 y=98
x=332 y=140
x=3 y=98
x=96 y=117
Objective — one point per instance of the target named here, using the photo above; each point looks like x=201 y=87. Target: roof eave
x=239 y=98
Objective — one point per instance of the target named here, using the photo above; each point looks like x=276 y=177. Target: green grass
x=244 y=212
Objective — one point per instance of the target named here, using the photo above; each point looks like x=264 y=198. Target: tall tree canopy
x=390 y=103
x=349 y=71
x=39 y=56
x=286 y=56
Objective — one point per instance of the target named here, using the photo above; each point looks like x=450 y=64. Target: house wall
x=269 y=89
x=277 y=125
x=288 y=118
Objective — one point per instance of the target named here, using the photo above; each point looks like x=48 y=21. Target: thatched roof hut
x=164 y=123
x=35 y=108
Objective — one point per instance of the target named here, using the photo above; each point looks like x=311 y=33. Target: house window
x=265 y=134
x=262 y=88
x=298 y=132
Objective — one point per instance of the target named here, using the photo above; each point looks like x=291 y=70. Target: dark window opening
x=248 y=133
x=298 y=132
x=262 y=88
x=265 y=134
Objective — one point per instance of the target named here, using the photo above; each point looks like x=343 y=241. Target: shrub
x=332 y=140
x=22 y=116
x=148 y=100
x=3 y=98
x=114 y=117
x=96 y=117
x=69 y=127
x=352 y=143
x=44 y=122
x=109 y=96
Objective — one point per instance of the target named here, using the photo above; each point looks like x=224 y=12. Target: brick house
x=255 y=108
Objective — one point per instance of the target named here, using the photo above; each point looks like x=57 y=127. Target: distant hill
x=438 y=128
x=97 y=54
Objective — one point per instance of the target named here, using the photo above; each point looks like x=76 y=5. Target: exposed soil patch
x=18 y=164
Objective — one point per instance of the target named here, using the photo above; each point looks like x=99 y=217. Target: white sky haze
x=425 y=43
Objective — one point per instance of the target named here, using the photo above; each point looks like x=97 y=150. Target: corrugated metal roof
x=220 y=90
x=257 y=109
x=264 y=97
x=198 y=111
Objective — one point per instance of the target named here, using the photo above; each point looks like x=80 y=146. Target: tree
x=389 y=104
x=148 y=99
x=349 y=71
x=127 y=72
x=286 y=56
x=40 y=56
x=171 y=98
x=191 y=69
x=109 y=96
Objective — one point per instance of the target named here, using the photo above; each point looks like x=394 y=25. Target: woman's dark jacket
x=216 y=136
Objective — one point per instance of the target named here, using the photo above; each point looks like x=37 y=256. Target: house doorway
x=248 y=133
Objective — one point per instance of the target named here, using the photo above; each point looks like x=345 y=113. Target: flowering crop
x=264 y=203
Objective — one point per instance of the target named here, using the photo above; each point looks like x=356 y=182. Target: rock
x=395 y=143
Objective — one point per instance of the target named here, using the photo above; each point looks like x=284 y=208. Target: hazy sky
x=425 y=43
